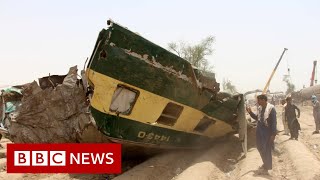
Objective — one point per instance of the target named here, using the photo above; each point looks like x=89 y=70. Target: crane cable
x=288 y=68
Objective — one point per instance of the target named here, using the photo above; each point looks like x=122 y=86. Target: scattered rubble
x=58 y=114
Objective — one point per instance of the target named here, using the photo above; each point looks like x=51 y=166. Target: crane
x=313 y=74
x=274 y=70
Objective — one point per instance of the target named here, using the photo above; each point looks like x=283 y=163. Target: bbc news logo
x=39 y=158
x=64 y=158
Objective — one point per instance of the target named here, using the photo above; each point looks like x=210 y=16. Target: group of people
x=289 y=117
x=267 y=125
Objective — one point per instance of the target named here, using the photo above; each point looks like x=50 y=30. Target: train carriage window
x=203 y=124
x=123 y=100
x=170 y=114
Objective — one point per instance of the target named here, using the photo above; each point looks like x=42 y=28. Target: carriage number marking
x=152 y=136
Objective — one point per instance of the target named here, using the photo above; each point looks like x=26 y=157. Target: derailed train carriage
x=144 y=95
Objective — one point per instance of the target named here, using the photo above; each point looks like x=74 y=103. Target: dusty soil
x=223 y=160
x=308 y=126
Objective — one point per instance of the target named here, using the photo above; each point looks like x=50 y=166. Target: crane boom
x=274 y=70
x=313 y=73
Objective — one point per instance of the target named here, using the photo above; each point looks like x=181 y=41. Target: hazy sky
x=42 y=37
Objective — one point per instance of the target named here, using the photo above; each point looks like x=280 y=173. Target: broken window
x=204 y=123
x=170 y=114
x=123 y=100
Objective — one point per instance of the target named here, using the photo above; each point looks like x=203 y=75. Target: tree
x=228 y=86
x=290 y=86
x=195 y=54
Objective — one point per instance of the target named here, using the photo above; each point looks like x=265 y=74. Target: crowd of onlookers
x=266 y=118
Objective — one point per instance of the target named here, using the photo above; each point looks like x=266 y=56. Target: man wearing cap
x=316 y=113
x=266 y=131
x=291 y=118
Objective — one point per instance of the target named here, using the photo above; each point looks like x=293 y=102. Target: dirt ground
x=294 y=160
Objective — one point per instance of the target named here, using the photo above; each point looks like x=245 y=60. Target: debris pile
x=57 y=114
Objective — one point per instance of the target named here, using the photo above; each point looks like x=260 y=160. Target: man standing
x=291 y=118
x=316 y=113
x=266 y=130
x=284 y=121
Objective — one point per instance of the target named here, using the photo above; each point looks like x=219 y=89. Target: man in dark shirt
x=266 y=131
x=291 y=118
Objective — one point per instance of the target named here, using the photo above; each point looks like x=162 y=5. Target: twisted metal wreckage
x=133 y=92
